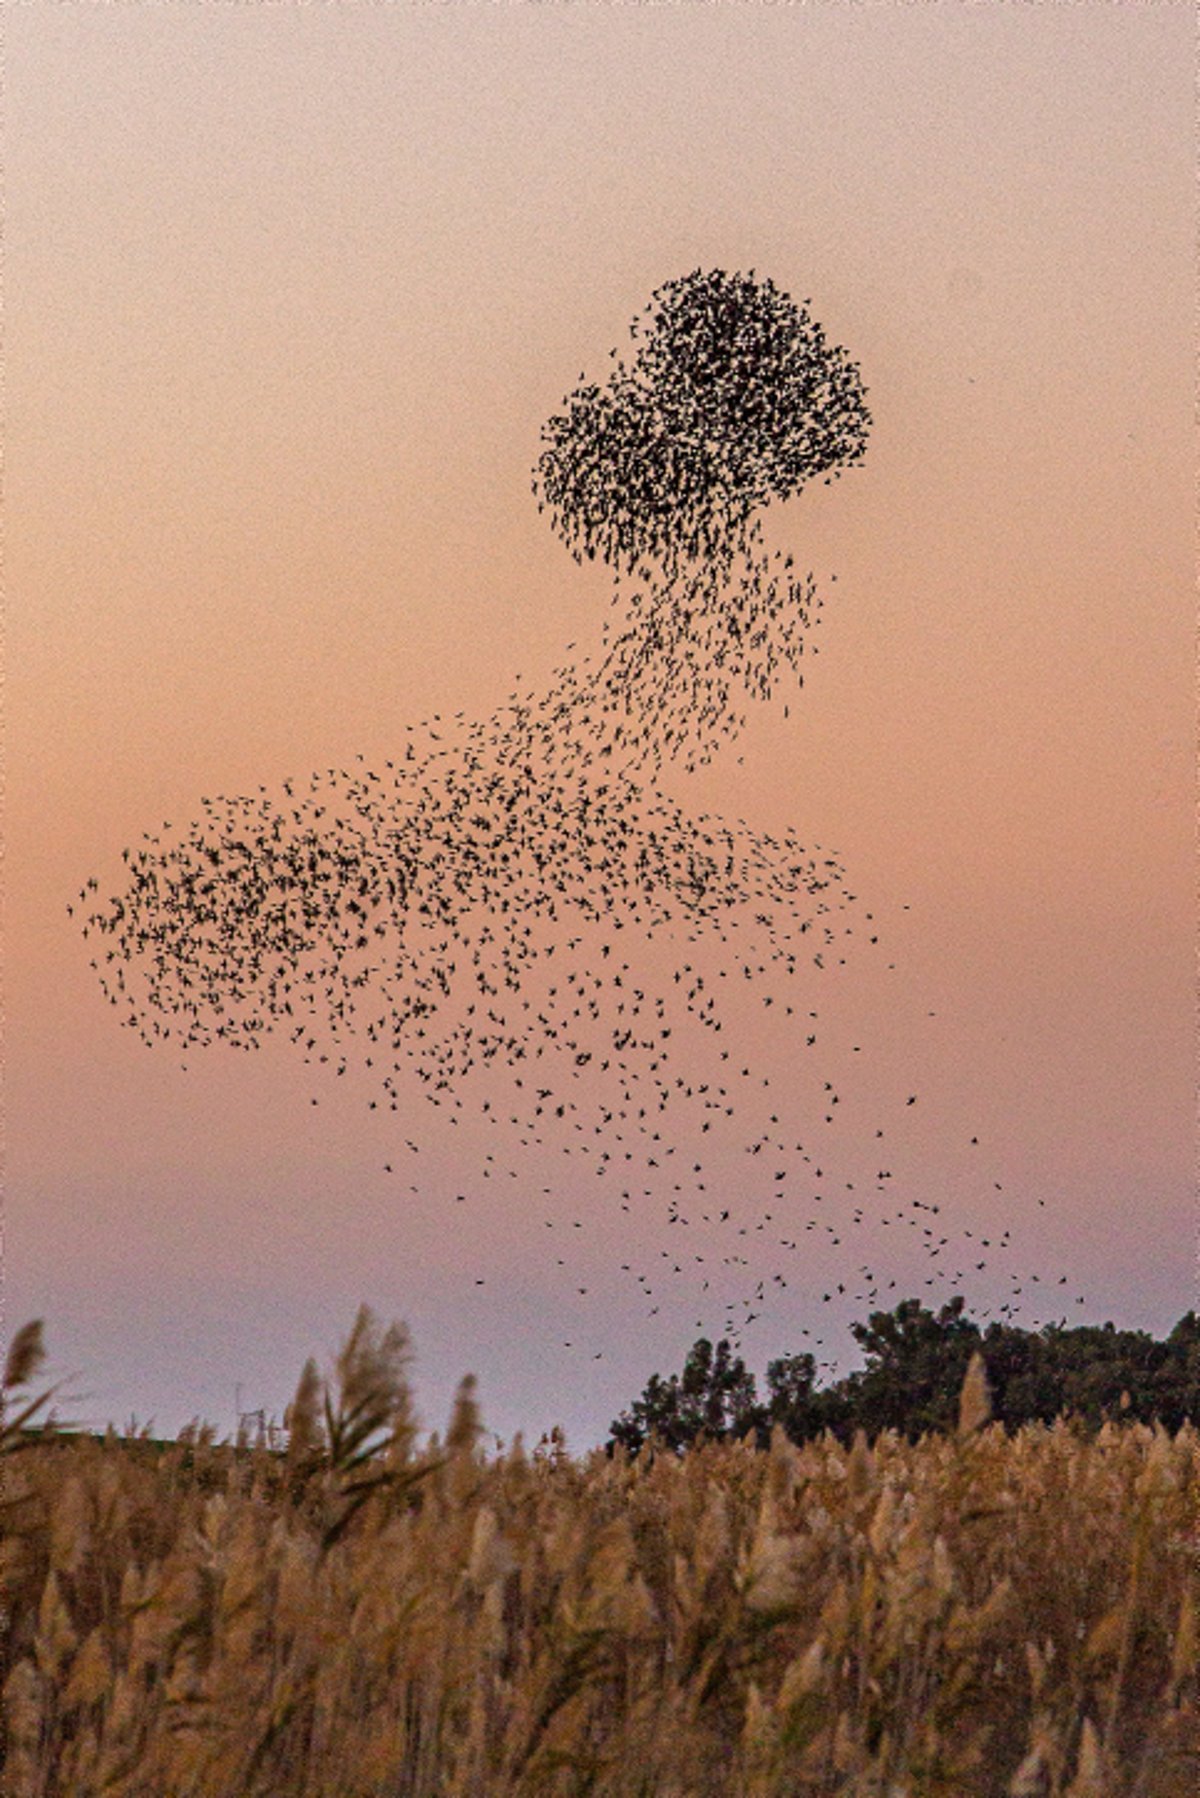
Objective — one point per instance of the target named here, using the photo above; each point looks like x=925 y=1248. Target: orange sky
x=289 y=294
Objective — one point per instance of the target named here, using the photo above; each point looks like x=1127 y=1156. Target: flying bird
x=485 y=901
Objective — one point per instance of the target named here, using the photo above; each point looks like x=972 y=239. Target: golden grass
x=371 y=1615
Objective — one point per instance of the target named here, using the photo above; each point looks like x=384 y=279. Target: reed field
x=372 y=1613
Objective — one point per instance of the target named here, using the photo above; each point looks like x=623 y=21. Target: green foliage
x=713 y=1397
x=916 y=1361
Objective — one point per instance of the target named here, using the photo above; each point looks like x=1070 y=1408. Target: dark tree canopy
x=917 y=1360
x=714 y=1397
x=734 y=398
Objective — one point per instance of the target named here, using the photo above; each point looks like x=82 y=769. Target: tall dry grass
x=374 y=1615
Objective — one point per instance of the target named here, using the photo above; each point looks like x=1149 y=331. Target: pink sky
x=289 y=294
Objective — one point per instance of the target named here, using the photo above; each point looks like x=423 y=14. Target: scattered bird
x=504 y=894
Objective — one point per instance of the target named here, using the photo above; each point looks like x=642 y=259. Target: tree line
x=916 y=1361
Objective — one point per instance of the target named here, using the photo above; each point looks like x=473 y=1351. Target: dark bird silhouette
x=488 y=899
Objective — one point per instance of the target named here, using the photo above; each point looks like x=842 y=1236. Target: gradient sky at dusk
x=290 y=291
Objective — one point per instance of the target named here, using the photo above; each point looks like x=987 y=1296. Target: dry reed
x=974 y=1616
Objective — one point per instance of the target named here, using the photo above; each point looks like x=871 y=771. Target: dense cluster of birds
x=518 y=894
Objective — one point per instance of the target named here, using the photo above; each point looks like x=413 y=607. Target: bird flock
x=512 y=917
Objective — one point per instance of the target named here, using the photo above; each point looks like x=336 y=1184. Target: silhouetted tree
x=1176 y=1383
x=1024 y=1378
x=916 y=1360
x=795 y=1401
x=714 y=1397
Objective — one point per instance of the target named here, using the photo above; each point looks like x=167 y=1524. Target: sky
x=289 y=294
